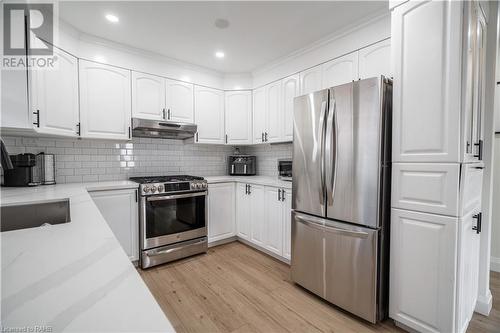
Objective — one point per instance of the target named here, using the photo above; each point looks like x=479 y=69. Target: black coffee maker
x=26 y=171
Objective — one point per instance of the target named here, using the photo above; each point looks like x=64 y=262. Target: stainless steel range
x=172 y=218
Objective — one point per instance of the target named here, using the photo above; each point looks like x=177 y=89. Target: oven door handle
x=177 y=196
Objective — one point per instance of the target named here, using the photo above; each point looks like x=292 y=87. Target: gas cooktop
x=169 y=184
x=164 y=179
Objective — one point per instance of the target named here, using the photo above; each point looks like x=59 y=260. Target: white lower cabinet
x=287 y=224
x=120 y=210
x=242 y=211
x=273 y=240
x=257 y=214
x=221 y=217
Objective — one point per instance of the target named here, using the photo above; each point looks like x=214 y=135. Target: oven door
x=168 y=219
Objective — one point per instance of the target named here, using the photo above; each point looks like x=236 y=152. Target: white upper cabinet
x=148 y=96
x=105 y=101
x=54 y=97
x=238 y=108
x=290 y=90
x=375 y=60
x=274 y=113
x=259 y=115
x=426 y=92
x=340 y=70
x=310 y=80
x=209 y=115
x=180 y=104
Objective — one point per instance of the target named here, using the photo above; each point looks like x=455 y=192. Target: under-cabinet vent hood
x=145 y=128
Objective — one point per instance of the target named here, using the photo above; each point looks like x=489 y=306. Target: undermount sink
x=32 y=215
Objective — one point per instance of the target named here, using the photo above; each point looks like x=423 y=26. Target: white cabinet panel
x=423 y=266
x=257 y=222
x=209 y=115
x=426 y=187
x=426 y=48
x=340 y=70
x=290 y=90
x=148 y=96
x=274 y=220
x=238 y=117
x=274 y=113
x=54 y=96
x=310 y=80
x=180 y=104
x=471 y=185
x=105 y=101
x=221 y=217
x=375 y=60
x=242 y=211
x=120 y=210
x=468 y=269
x=287 y=224
x=259 y=114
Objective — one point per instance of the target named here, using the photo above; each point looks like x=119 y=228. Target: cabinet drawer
x=471 y=183
x=425 y=187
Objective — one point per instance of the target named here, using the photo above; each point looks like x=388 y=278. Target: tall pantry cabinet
x=438 y=66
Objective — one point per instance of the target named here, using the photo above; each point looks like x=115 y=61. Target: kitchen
x=136 y=132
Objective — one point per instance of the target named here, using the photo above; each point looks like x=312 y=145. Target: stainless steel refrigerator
x=341 y=195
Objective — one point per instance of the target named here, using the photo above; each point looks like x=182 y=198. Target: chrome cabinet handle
x=279 y=194
x=37 y=122
x=282 y=195
x=163 y=113
x=249 y=189
x=265 y=136
x=262 y=136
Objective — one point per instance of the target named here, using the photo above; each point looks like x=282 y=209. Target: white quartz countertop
x=257 y=180
x=74 y=276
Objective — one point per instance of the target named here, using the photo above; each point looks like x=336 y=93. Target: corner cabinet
x=54 y=97
x=120 y=210
x=238 y=109
x=221 y=216
x=105 y=101
x=209 y=115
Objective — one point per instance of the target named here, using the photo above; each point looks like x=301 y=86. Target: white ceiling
x=258 y=32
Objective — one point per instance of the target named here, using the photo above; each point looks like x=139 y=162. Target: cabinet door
x=209 y=115
x=54 y=96
x=426 y=92
x=273 y=220
x=287 y=224
x=258 y=215
x=468 y=269
x=310 y=80
x=105 y=101
x=221 y=218
x=120 y=210
x=259 y=114
x=148 y=96
x=180 y=101
x=239 y=117
x=340 y=70
x=242 y=211
x=274 y=113
x=290 y=90
x=375 y=60
x=423 y=270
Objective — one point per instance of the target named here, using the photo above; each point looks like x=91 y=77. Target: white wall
x=348 y=40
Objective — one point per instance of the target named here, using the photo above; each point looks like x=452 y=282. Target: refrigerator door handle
x=331 y=150
x=346 y=232
x=322 y=149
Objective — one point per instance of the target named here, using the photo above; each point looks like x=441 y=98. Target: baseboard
x=222 y=241
x=261 y=249
x=495 y=264
x=484 y=304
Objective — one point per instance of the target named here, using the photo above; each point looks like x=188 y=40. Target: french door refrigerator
x=341 y=195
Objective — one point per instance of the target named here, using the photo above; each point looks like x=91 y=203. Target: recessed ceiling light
x=220 y=54
x=112 y=18
x=221 y=23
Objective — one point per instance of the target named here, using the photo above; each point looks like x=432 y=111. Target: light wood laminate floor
x=234 y=288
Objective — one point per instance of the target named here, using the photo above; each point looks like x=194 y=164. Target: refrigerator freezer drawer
x=351 y=269
x=338 y=262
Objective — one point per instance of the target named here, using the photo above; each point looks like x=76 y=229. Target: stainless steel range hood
x=145 y=128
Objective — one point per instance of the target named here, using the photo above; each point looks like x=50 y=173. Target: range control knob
x=198 y=185
x=146 y=189
x=204 y=185
x=153 y=188
x=160 y=188
x=193 y=186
